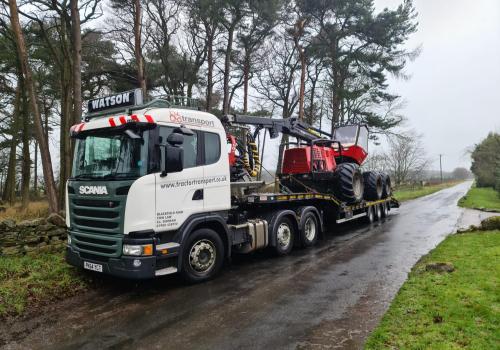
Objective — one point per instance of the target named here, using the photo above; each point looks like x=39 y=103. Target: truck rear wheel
x=378 y=211
x=384 y=209
x=203 y=256
x=285 y=234
x=309 y=230
x=349 y=186
x=373 y=185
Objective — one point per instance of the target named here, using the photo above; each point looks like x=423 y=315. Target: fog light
x=137 y=263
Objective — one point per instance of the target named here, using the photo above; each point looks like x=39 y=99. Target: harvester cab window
x=212 y=148
x=346 y=135
x=363 y=137
x=190 y=146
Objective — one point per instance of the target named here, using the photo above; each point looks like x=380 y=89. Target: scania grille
x=96 y=221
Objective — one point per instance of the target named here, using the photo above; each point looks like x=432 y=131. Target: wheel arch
x=214 y=222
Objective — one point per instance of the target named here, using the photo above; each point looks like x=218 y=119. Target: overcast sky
x=453 y=96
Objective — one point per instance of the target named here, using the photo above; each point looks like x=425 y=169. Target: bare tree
x=406 y=157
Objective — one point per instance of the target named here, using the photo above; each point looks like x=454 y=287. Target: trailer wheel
x=203 y=256
x=370 y=215
x=373 y=185
x=384 y=210
x=386 y=186
x=309 y=230
x=378 y=212
x=285 y=232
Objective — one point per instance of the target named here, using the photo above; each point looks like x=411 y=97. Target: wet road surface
x=329 y=296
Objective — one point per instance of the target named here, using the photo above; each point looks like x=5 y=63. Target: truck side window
x=190 y=146
x=212 y=148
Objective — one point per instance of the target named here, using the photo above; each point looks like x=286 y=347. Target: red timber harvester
x=317 y=162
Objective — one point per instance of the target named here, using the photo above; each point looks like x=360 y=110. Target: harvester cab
x=354 y=143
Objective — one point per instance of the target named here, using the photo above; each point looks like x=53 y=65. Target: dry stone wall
x=32 y=235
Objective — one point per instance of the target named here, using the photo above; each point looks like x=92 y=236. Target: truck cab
x=128 y=204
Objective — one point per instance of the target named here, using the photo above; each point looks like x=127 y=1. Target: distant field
x=447 y=310
x=481 y=198
x=407 y=193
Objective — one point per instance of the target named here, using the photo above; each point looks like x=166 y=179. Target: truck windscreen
x=110 y=156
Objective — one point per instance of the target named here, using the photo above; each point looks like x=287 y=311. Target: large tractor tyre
x=373 y=185
x=386 y=186
x=349 y=183
x=203 y=256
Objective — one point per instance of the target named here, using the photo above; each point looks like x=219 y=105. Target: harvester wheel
x=373 y=185
x=386 y=185
x=349 y=182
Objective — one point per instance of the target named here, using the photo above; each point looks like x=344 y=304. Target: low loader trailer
x=158 y=189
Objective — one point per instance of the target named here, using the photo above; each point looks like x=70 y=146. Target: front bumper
x=150 y=267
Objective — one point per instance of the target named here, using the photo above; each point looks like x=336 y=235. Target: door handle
x=198 y=195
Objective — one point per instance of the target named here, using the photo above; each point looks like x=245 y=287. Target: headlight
x=138 y=250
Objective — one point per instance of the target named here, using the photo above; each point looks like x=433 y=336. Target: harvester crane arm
x=290 y=126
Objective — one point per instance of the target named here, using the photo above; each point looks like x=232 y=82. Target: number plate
x=91 y=266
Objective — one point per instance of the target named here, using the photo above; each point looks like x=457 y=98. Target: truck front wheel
x=203 y=256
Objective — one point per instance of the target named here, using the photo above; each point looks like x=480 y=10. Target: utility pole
x=441 y=167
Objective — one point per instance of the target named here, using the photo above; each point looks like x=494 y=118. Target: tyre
x=309 y=230
x=203 y=256
x=384 y=210
x=349 y=183
x=378 y=211
x=370 y=215
x=386 y=185
x=285 y=234
x=373 y=185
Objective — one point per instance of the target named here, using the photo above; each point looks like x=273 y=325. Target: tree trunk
x=246 y=74
x=77 y=62
x=227 y=68
x=35 y=171
x=210 y=72
x=302 y=90
x=9 y=191
x=39 y=132
x=138 y=46
x=26 y=164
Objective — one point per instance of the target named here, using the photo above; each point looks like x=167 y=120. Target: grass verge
x=447 y=310
x=33 y=280
x=407 y=193
x=482 y=198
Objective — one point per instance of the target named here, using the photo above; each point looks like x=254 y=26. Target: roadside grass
x=406 y=193
x=36 y=209
x=483 y=198
x=456 y=310
x=33 y=280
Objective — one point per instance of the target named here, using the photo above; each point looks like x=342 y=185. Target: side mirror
x=175 y=139
x=172 y=156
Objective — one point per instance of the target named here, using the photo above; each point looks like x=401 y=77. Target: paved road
x=330 y=296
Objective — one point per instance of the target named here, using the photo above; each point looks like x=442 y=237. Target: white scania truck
x=151 y=194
